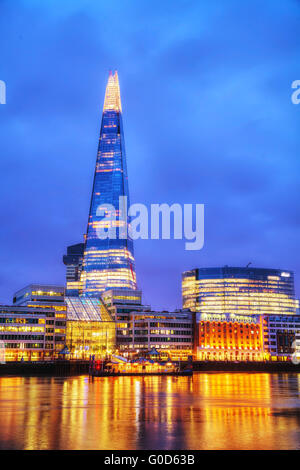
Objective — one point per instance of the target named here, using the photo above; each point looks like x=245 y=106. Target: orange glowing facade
x=242 y=314
x=228 y=337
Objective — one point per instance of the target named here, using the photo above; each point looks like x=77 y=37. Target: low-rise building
x=52 y=298
x=281 y=336
x=169 y=333
x=228 y=337
x=139 y=329
x=23 y=333
x=235 y=337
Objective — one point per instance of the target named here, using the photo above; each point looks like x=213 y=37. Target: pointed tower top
x=112 y=99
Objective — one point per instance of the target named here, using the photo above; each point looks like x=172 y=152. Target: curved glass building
x=246 y=291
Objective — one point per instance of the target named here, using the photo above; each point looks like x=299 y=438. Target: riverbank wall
x=74 y=367
x=222 y=366
x=47 y=368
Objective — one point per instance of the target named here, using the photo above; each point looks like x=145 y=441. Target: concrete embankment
x=47 y=368
x=246 y=366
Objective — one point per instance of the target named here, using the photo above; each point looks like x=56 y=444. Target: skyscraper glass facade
x=109 y=262
x=232 y=290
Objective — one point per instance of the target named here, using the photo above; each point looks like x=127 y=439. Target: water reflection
x=207 y=411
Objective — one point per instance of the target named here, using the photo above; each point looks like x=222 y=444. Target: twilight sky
x=208 y=118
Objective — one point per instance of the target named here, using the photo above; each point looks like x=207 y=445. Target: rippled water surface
x=206 y=411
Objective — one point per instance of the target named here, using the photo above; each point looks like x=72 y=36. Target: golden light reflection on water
x=206 y=411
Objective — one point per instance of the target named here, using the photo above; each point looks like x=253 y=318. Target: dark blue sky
x=208 y=118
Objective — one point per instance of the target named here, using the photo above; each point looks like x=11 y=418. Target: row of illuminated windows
x=248 y=297
x=22 y=337
x=17 y=320
x=183 y=348
x=50 y=293
x=126 y=297
x=228 y=323
x=236 y=289
x=190 y=287
x=235 y=349
x=24 y=345
x=226 y=331
x=170 y=325
x=246 y=308
x=168 y=339
x=159 y=332
x=135 y=320
x=156 y=340
x=247 y=303
x=172 y=332
x=191 y=283
x=26 y=329
x=57 y=308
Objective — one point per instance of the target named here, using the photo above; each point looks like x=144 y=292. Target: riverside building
x=83 y=325
x=139 y=329
x=168 y=333
x=246 y=291
x=24 y=335
x=52 y=299
x=243 y=314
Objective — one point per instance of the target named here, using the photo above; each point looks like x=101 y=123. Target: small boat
x=139 y=367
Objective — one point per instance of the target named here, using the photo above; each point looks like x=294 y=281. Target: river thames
x=206 y=411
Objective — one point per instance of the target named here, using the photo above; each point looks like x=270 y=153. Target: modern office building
x=168 y=333
x=120 y=302
x=24 y=333
x=52 y=299
x=73 y=262
x=139 y=329
x=108 y=260
x=281 y=336
x=90 y=328
x=246 y=291
x=236 y=311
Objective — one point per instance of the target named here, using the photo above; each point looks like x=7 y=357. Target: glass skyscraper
x=109 y=262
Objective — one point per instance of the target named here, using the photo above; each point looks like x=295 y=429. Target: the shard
x=108 y=260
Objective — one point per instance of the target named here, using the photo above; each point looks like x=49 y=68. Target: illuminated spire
x=109 y=262
x=112 y=99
